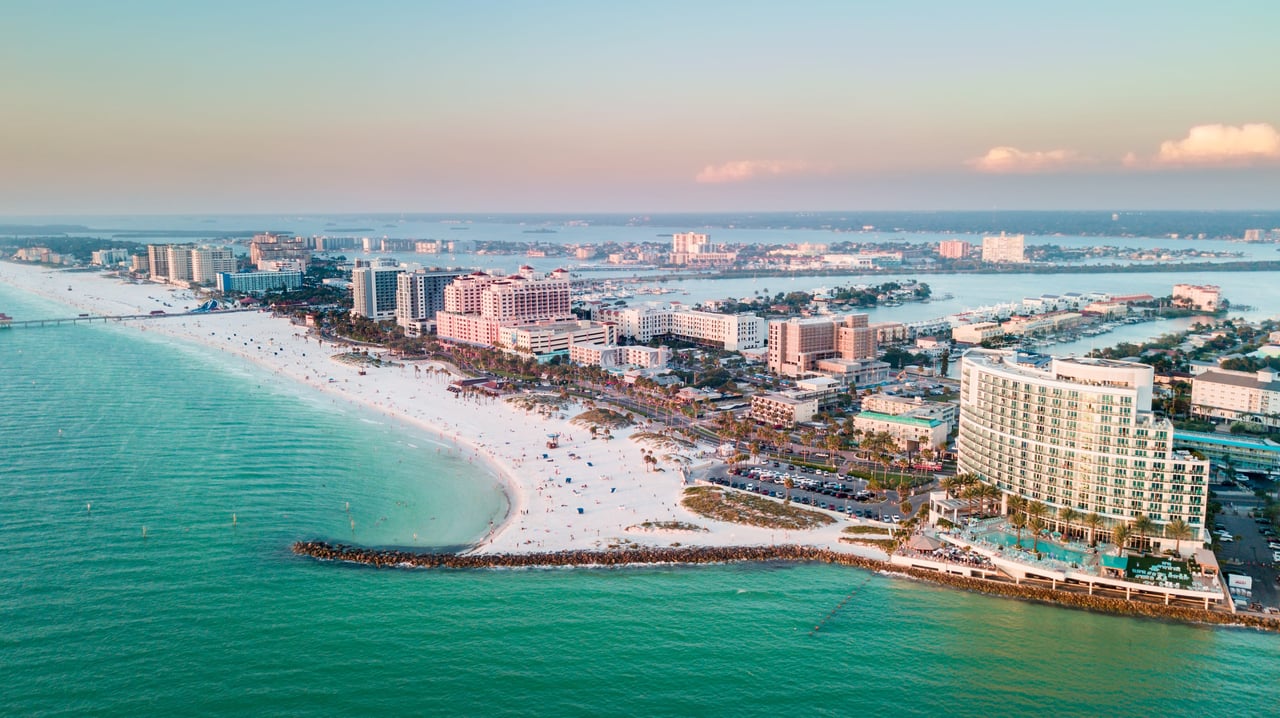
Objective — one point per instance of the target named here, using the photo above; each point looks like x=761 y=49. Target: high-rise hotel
x=1077 y=433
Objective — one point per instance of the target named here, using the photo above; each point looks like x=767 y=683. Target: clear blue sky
x=592 y=106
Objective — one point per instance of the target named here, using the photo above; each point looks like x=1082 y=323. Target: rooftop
x=1233 y=378
x=898 y=419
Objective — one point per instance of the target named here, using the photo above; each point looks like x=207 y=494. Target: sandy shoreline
x=588 y=494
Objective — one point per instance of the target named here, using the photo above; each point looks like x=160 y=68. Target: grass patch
x=668 y=526
x=602 y=418
x=534 y=402
x=739 y=508
x=663 y=441
x=865 y=530
x=887 y=545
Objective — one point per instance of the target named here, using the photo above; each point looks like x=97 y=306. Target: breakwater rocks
x=690 y=555
x=620 y=557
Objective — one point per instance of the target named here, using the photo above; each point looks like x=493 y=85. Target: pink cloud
x=744 y=170
x=1221 y=144
x=1011 y=160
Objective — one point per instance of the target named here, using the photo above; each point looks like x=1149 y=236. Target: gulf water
x=106 y=430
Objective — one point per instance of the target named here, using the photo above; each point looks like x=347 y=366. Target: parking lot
x=1250 y=554
x=824 y=490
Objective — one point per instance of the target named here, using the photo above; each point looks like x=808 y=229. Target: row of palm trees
x=1033 y=516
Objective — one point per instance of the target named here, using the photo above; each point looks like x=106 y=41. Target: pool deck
x=1021 y=565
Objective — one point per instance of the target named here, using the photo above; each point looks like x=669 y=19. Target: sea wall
x=690 y=555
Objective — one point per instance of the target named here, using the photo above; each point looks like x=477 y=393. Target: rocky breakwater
x=689 y=555
x=386 y=558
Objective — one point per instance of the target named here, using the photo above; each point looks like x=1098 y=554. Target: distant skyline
x=246 y=107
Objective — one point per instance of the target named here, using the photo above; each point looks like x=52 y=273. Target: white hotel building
x=732 y=332
x=1078 y=433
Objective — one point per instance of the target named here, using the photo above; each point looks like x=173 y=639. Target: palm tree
x=1121 y=535
x=1179 y=531
x=974 y=493
x=1019 y=522
x=1093 y=521
x=1016 y=504
x=1036 y=524
x=1036 y=512
x=788 y=483
x=1067 y=514
x=989 y=491
x=953 y=484
x=1143 y=525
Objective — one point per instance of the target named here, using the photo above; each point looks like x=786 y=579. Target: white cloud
x=744 y=170
x=1222 y=144
x=1011 y=160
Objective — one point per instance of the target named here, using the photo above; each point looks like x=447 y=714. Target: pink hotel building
x=477 y=305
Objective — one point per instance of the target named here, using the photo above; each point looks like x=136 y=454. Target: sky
x=137 y=106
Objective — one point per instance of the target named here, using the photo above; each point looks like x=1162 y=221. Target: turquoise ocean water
x=204 y=616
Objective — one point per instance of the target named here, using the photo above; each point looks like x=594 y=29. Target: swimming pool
x=1046 y=548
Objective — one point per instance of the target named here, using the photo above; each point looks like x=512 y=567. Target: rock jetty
x=690 y=555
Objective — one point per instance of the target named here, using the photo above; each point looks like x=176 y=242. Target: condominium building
x=797 y=345
x=1005 y=248
x=1076 y=433
x=275 y=247
x=180 y=265
x=419 y=296
x=1206 y=297
x=732 y=332
x=693 y=248
x=373 y=291
x=688 y=243
x=258 y=282
x=1221 y=395
x=209 y=262
x=158 y=262
x=954 y=249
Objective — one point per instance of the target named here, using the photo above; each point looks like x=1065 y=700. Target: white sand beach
x=605 y=478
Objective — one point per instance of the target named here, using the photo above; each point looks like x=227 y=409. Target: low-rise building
x=612 y=356
x=782 y=408
x=732 y=332
x=855 y=372
x=1237 y=396
x=258 y=282
x=944 y=411
x=1242 y=452
x=1206 y=297
x=976 y=333
x=911 y=433
x=555 y=337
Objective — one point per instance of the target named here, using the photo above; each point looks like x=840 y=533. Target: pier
x=10 y=323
